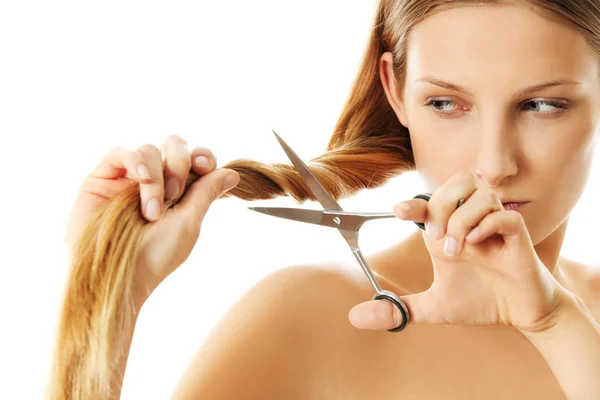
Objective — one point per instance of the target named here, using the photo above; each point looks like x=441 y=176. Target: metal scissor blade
x=296 y=214
x=326 y=200
x=344 y=220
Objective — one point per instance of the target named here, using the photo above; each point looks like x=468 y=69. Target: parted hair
x=368 y=146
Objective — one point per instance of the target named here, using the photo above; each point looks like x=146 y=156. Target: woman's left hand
x=495 y=278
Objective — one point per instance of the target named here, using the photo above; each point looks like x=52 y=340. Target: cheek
x=441 y=149
x=437 y=159
x=567 y=153
x=559 y=194
x=561 y=178
x=572 y=166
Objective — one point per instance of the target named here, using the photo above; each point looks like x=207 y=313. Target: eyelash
x=554 y=104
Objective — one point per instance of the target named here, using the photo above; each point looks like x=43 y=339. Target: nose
x=496 y=154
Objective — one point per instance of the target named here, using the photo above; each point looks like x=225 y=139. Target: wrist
x=571 y=347
x=570 y=312
x=141 y=291
x=143 y=286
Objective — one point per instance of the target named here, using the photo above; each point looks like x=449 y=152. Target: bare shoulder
x=584 y=280
x=582 y=274
x=592 y=277
x=267 y=343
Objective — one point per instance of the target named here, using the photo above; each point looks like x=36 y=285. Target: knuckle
x=514 y=216
x=204 y=151
x=190 y=229
x=175 y=140
x=466 y=176
x=136 y=156
x=117 y=150
x=490 y=195
x=148 y=149
x=493 y=219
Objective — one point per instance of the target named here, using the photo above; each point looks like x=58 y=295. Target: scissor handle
x=424 y=196
x=398 y=302
x=390 y=296
x=427 y=196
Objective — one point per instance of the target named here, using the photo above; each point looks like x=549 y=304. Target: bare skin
x=520 y=146
x=322 y=356
x=459 y=362
x=524 y=146
x=289 y=337
x=507 y=142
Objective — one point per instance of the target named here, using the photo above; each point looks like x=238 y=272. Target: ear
x=391 y=87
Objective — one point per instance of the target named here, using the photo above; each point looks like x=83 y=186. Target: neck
x=548 y=249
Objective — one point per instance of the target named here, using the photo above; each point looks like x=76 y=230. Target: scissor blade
x=326 y=200
x=296 y=214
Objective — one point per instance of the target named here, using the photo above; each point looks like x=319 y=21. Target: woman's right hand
x=161 y=174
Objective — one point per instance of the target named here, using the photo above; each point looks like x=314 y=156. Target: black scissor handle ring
x=424 y=196
x=403 y=310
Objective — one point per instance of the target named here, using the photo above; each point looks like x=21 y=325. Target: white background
x=77 y=78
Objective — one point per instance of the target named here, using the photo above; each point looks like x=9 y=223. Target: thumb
x=384 y=315
x=202 y=193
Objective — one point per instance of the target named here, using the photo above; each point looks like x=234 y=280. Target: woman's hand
x=495 y=277
x=161 y=174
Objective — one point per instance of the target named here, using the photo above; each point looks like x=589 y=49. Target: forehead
x=497 y=41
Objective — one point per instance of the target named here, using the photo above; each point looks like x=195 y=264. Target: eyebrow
x=528 y=90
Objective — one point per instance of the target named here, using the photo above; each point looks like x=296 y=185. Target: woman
x=494 y=102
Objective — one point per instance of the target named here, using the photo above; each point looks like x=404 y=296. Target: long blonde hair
x=368 y=146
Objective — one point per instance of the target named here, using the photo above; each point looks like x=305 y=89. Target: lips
x=516 y=206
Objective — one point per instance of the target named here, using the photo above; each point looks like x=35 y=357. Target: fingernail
x=172 y=188
x=230 y=182
x=403 y=206
x=143 y=171
x=450 y=247
x=432 y=231
x=153 y=209
x=201 y=162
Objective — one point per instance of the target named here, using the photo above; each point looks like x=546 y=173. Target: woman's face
x=464 y=104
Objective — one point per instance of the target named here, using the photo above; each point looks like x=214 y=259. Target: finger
x=420 y=210
x=508 y=223
x=444 y=202
x=462 y=221
x=423 y=307
x=120 y=162
x=413 y=210
x=204 y=160
x=375 y=314
x=202 y=193
x=176 y=165
x=152 y=194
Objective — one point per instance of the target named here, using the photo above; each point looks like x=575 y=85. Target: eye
x=445 y=106
x=544 y=106
x=540 y=107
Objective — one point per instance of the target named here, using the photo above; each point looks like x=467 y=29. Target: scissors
x=347 y=223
